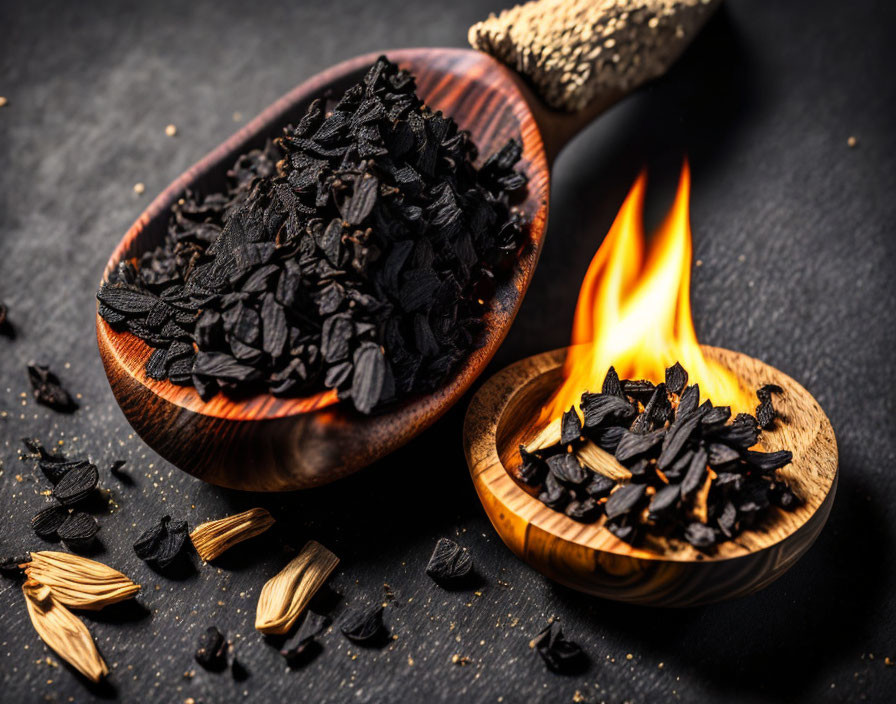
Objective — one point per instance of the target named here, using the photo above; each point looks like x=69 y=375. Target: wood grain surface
x=661 y=572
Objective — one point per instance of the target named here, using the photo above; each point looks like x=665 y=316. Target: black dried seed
x=624 y=499
x=48 y=391
x=676 y=378
x=741 y=433
x=363 y=625
x=721 y=454
x=690 y=399
x=212 y=650
x=768 y=461
x=566 y=469
x=77 y=484
x=664 y=500
x=79 y=530
x=555 y=495
x=623 y=529
x=300 y=648
x=633 y=445
x=585 y=511
x=558 y=653
x=678 y=434
x=570 y=427
x=782 y=496
x=680 y=466
x=162 y=543
x=696 y=473
x=612 y=386
x=607 y=438
x=727 y=519
x=599 y=486
x=765 y=411
x=715 y=417
x=699 y=535
x=657 y=411
x=55 y=469
x=532 y=470
x=601 y=408
x=46 y=522
x=449 y=561
x=640 y=389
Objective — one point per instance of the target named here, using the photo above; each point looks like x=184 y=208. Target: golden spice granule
x=3 y=101
x=577 y=51
x=171 y=130
x=139 y=188
x=851 y=142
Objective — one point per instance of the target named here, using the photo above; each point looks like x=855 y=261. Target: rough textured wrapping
x=578 y=51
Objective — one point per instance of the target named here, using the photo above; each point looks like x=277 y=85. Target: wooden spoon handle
x=581 y=56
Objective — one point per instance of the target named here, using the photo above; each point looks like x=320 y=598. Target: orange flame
x=636 y=315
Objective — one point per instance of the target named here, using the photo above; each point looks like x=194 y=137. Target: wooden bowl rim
x=482 y=454
x=266 y=406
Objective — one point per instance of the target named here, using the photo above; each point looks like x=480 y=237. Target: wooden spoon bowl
x=269 y=444
x=588 y=557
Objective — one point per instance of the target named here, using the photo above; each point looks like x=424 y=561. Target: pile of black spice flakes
x=357 y=252
x=657 y=462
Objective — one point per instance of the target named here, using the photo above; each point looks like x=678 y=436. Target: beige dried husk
x=62 y=631
x=599 y=460
x=78 y=582
x=213 y=538
x=285 y=596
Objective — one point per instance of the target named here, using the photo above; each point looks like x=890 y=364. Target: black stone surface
x=795 y=231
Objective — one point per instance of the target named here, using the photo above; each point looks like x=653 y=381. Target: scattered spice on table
x=652 y=460
x=449 y=562
x=558 y=653
x=48 y=390
x=355 y=253
x=363 y=625
x=163 y=543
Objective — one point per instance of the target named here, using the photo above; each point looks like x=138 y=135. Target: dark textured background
x=795 y=231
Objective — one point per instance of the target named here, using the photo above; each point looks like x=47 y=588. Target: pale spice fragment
x=61 y=630
x=285 y=596
x=548 y=437
x=78 y=582
x=216 y=537
x=171 y=130
x=599 y=460
x=139 y=188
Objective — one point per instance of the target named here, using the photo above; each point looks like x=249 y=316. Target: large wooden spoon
x=270 y=444
x=661 y=573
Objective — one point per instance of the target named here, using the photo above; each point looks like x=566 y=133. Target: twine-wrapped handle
x=578 y=52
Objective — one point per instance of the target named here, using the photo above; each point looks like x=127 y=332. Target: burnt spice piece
x=163 y=543
x=559 y=654
x=48 y=390
x=363 y=625
x=687 y=461
x=212 y=650
x=357 y=252
x=449 y=561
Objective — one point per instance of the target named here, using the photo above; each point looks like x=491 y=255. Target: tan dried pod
x=285 y=596
x=548 y=437
x=213 y=538
x=62 y=631
x=599 y=460
x=78 y=582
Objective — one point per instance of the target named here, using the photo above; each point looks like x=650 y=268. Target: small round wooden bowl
x=588 y=557
x=270 y=444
